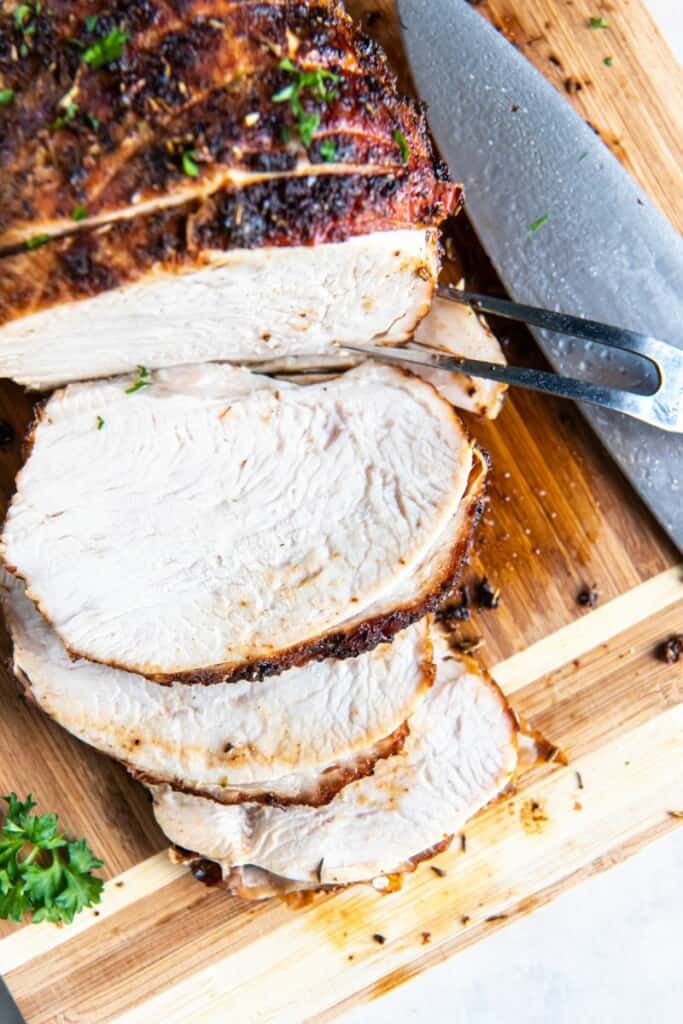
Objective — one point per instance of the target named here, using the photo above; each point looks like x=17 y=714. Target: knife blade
x=9 y=1011
x=602 y=249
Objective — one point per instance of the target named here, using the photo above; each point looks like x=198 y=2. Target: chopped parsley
x=400 y=140
x=598 y=23
x=106 y=51
x=79 y=213
x=100 y=422
x=189 y=163
x=22 y=14
x=36 y=241
x=608 y=61
x=539 y=223
x=583 y=156
x=91 y=22
x=328 y=150
x=42 y=873
x=93 y=121
x=6 y=97
x=70 y=111
x=307 y=121
x=144 y=380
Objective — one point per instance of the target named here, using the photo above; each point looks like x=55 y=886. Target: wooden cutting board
x=560 y=518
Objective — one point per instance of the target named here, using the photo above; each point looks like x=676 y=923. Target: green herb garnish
x=539 y=223
x=70 y=111
x=328 y=150
x=307 y=121
x=100 y=422
x=6 y=97
x=400 y=140
x=79 y=213
x=143 y=381
x=93 y=121
x=41 y=872
x=608 y=61
x=36 y=241
x=106 y=50
x=598 y=23
x=22 y=13
x=189 y=163
x=91 y=22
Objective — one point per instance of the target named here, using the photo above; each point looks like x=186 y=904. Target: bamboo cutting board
x=560 y=518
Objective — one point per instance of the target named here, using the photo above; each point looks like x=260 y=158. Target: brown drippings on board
x=379 y=938
x=670 y=650
x=588 y=597
x=675 y=814
x=426 y=938
x=533 y=816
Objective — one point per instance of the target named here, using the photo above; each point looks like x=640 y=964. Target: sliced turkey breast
x=459 y=331
x=106 y=106
x=222 y=526
x=141 y=194
x=300 y=735
x=241 y=305
x=461 y=751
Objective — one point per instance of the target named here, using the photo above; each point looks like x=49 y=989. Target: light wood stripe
x=33 y=941
x=554 y=651
x=586 y=633
x=303 y=966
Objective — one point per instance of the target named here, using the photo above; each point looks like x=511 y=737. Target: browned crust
x=281 y=211
x=329 y=784
x=153 y=102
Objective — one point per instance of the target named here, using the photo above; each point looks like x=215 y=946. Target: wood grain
x=560 y=517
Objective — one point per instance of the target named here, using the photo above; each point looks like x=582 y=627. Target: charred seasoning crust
x=331 y=781
x=276 y=212
x=179 y=83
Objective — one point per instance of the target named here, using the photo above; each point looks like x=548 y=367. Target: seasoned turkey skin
x=265 y=524
x=109 y=141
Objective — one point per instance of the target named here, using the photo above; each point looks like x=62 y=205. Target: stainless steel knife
x=9 y=1011
x=564 y=224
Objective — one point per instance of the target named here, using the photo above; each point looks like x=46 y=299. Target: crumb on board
x=578 y=806
x=671 y=649
x=487 y=596
x=588 y=597
x=675 y=814
x=439 y=872
x=533 y=816
x=379 y=939
x=579 y=780
x=463 y=842
x=465 y=919
x=426 y=937
x=495 y=917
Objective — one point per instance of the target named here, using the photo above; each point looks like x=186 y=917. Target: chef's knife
x=563 y=223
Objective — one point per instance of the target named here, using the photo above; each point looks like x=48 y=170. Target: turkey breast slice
x=241 y=305
x=298 y=735
x=208 y=535
x=461 y=751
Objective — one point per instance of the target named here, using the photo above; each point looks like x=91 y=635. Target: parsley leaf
x=535 y=225
x=36 y=242
x=41 y=872
x=6 y=97
x=313 y=82
x=189 y=163
x=598 y=23
x=70 y=111
x=400 y=140
x=79 y=213
x=328 y=150
x=144 y=380
x=608 y=61
x=100 y=422
x=106 y=50
x=91 y=22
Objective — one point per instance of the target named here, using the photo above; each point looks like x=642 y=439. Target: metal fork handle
x=559 y=323
x=639 y=406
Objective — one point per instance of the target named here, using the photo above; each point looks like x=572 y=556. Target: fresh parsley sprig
x=106 y=51
x=42 y=873
x=313 y=82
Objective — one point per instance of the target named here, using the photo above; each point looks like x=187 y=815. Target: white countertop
x=607 y=951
